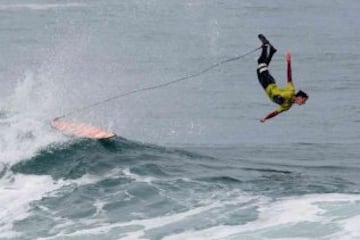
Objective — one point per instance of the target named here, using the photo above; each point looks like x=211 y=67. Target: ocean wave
x=76 y=158
x=124 y=189
x=314 y=216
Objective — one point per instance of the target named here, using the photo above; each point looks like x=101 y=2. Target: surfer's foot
x=266 y=43
x=263 y=39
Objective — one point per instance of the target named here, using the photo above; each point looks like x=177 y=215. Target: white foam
x=16 y=192
x=24 y=138
x=136 y=177
x=351 y=229
x=148 y=224
x=152 y=223
x=25 y=128
x=285 y=212
x=272 y=214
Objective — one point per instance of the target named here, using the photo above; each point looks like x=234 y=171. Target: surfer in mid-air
x=285 y=97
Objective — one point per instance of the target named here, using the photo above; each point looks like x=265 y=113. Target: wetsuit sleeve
x=283 y=108
x=270 y=115
x=288 y=62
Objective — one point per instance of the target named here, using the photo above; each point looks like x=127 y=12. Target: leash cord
x=82 y=109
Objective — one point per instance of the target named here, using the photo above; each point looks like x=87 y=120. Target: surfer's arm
x=280 y=109
x=288 y=64
x=270 y=115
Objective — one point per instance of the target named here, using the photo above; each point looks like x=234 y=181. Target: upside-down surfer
x=285 y=97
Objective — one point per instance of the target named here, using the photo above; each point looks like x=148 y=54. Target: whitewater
x=191 y=159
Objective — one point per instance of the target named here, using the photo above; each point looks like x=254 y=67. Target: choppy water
x=193 y=161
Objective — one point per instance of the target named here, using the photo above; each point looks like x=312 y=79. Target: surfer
x=285 y=97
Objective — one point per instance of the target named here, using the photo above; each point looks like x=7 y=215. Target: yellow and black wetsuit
x=282 y=96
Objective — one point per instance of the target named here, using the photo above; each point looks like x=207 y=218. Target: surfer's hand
x=288 y=56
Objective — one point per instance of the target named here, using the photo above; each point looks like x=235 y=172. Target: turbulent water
x=191 y=160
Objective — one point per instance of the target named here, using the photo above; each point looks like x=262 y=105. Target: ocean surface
x=191 y=160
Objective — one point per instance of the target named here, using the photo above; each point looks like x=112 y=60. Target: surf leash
x=193 y=75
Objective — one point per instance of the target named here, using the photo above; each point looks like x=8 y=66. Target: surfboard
x=80 y=129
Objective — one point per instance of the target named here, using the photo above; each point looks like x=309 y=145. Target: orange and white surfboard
x=81 y=129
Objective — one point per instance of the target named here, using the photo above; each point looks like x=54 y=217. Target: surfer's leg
x=263 y=56
x=267 y=52
x=264 y=76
